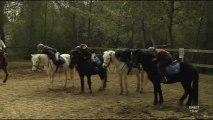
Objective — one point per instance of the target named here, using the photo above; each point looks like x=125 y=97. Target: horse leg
x=190 y=96
x=72 y=76
x=52 y=76
x=89 y=83
x=6 y=74
x=138 y=85
x=105 y=79
x=82 y=83
x=186 y=92
x=65 y=84
x=142 y=81
x=160 y=95
x=155 y=94
x=51 y=82
x=121 y=84
x=126 y=87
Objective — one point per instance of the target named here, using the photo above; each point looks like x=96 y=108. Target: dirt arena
x=26 y=96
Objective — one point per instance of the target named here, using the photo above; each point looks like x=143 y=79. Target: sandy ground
x=26 y=96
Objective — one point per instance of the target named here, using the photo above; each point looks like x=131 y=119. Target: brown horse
x=3 y=65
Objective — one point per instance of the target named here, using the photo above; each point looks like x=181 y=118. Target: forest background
x=107 y=24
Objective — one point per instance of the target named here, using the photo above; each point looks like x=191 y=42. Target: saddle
x=97 y=60
x=124 y=55
x=173 y=68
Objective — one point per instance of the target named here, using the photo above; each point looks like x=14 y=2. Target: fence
x=181 y=52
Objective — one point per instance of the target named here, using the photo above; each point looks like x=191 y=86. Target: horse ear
x=32 y=55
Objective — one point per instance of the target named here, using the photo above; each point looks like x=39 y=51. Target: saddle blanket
x=97 y=60
x=61 y=61
x=173 y=69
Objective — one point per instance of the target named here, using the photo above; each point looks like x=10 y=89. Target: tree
x=2 y=20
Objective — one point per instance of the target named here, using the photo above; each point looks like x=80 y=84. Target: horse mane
x=144 y=54
x=108 y=53
x=144 y=58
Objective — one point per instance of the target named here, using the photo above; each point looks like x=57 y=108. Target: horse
x=50 y=67
x=122 y=69
x=3 y=65
x=86 y=67
x=188 y=76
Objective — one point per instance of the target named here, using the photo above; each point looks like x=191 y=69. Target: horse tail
x=195 y=88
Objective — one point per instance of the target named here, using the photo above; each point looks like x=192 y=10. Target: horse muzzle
x=105 y=65
x=34 y=69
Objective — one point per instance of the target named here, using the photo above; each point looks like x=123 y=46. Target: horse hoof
x=187 y=105
x=101 y=89
x=180 y=103
x=160 y=103
x=155 y=103
x=194 y=103
x=50 y=88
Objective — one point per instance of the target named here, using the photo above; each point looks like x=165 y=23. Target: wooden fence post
x=181 y=54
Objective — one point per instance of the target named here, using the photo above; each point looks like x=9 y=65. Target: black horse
x=188 y=75
x=3 y=64
x=86 y=67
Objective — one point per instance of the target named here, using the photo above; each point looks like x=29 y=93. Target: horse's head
x=141 y=57
x=75 y=56
x=35 y=60
x=107 y=56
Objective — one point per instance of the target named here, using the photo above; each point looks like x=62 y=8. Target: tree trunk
x=89 y=24
x=197 y=37
x=74 y=28
x=198 y=31
x=45 y=24
x=151 y=41
x=170 y=17
x=143 y=32
x=2 y=20
x=31 y=28
x=206 y=59
x=132 y=36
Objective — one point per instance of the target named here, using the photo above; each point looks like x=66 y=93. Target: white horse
x=122 y=69
x=50 y=67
